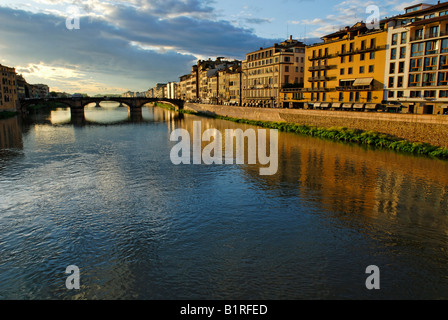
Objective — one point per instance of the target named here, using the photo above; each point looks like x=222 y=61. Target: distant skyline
x=132 y=45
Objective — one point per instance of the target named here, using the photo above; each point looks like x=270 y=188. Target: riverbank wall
x=432 y=129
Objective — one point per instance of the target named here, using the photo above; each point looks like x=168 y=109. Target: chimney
x=290 y=37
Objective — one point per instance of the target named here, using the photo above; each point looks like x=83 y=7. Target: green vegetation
x=366 y=138
x=7 y=114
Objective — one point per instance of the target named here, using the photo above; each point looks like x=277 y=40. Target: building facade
x=417 y=60
x=267 y=71
x=344 y=72
x=8 y=89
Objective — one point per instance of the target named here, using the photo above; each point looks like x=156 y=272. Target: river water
x=102 y=194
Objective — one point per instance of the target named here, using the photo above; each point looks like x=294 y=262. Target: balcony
x=355 y=88
x=313 y=79
x=325 y=56
x=315 y=90
x=319 y=67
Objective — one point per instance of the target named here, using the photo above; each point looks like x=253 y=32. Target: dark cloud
x=104 y=45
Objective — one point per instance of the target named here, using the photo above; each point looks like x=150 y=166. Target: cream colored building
x=417 y=60
x=267 y=71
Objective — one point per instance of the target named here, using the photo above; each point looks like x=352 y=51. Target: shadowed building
x=8 y=89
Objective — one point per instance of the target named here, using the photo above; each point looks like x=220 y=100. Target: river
x=102 y=194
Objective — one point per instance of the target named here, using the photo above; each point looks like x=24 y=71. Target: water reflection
x=105 y=196
x=10 y=134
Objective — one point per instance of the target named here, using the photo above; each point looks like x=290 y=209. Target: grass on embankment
x=366 y=138
x=7 y=114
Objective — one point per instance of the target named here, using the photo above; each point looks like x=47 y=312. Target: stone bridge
x=77 y=104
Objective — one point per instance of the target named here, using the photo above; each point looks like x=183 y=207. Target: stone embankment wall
x=432 y=129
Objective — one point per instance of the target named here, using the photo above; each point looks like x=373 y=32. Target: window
x=417 y=49
x=404 y=36
x=342 y=71
x=444 y=47
x=372 y=43
x=363 y=44
x=415 y=94
x=443 y=13
x=419 y=34
x=391 y=94
x=350 y=58
x=297 y=69
x=287 y=59
x=391 y=82
x=400 y=82
x=443 y=62
x=286 y=68
x=351 y=47
x=342 y=59
x=432 y=47
x=371 y=69
x=369 y=96
x=351 y=96
x=443 y=79
x=357 y=96
x=361 y=69
x=430 y=63
x=401 y=67
x=393 y=54
x=399 y=94
x=443 y=94
x=343 y=48
x=429 y=79
x=429 y=94
x=394 y=39
x=434 y=31
x=341 y=96
x=414 y=80
x=402 y=52
x=416 y=65
x=350 y=70
x=362 y=56
x=429 y=16
x=324 y=96
x=372 y=55
x=392 y=67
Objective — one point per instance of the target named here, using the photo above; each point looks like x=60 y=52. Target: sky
x=133 y=45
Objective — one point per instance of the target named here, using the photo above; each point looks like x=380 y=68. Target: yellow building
x=344 y=72
x=8 y=89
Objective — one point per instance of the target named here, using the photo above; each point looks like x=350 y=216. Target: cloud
x=133 y=45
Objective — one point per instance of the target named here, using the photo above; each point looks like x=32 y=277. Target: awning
x=445 y=106
x=317 y=105
x=324 y=105
x=363 y=82
x=358 y=106
x=336 y=105
x=347 y=105
x=347 y=79
x=371 y=106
